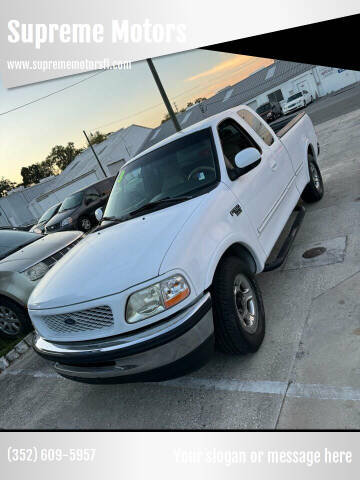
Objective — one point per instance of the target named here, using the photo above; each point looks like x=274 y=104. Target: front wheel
x=14 y=321
x=238 y=308
x=314 y=190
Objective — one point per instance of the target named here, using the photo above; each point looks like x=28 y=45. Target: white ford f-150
x=171 y=268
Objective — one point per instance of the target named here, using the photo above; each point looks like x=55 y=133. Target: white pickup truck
x=171 y=268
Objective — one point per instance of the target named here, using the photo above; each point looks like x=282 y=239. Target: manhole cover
x=314 y=252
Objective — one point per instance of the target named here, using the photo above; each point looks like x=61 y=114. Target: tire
x=314 y=190
x=85 y=224
x=237 y=330
x=14 y=320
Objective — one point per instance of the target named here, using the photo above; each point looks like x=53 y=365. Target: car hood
x=114 y=259
x=38 y=250
x=60 y=216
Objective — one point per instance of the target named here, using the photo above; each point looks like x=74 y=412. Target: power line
x=52 y=93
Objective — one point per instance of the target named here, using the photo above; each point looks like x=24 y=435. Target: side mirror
x=99 y=214
x=247 y=159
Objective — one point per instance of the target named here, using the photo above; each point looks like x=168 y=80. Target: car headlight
x=156 y=298
x=66 y=221
x=36 y=271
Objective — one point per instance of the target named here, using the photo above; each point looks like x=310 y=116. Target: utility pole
x=163 y=95
x=97 y=158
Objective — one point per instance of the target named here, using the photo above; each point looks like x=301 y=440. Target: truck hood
x=114 y=259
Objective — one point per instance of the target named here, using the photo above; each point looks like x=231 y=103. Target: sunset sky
x=107 y=102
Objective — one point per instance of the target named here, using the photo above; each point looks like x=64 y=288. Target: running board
x=284 y=250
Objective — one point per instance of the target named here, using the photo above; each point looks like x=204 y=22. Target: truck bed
x=281 y=127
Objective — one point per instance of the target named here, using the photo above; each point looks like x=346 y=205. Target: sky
x=106 y=101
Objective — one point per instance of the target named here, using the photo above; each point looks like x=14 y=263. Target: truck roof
x=207 y=122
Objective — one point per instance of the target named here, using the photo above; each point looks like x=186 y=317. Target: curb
x=23 y=346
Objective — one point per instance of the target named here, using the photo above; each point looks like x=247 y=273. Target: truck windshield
x=294 y=97
x=183 y=168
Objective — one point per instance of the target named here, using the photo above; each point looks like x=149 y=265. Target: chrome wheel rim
x=85 y=223
x=315 y=176
x=245 y=304
x=9 y=321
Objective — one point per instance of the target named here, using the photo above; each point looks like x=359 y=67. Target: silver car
x=25 y=258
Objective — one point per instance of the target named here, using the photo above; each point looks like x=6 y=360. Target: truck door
x=264 y=192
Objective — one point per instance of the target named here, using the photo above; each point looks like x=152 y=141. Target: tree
x=60 y=157
x=166 y=118
x=200 y=99
x=5 y=186
x=98 y=137
x=31 y=174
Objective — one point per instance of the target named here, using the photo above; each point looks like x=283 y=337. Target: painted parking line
x=292 y=390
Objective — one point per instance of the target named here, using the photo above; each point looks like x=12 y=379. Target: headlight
x=36 y=271
x=156 y=298
x=66 y=221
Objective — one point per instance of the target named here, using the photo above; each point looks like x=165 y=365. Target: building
x=275 y=83
x=14 y=208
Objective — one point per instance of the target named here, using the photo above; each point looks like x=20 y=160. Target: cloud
x=232 y=75
x=236 y=61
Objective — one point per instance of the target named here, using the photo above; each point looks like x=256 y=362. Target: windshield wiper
x=148 y=206
x=112 y=221
x=161 y=201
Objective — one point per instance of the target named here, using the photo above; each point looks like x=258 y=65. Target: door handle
x=273 y=165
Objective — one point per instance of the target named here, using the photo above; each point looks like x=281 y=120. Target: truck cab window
x=233 y=139
x=257 y=126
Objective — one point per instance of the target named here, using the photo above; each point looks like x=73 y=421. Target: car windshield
x=263 y=108
x=183 y=168
x=50 y=212
x=72 y=201
x=13 y=240
x=294 y=97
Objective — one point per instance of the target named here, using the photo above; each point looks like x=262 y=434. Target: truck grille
x=81 y=321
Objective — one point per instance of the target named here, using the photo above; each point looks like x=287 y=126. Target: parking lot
x=306 y=375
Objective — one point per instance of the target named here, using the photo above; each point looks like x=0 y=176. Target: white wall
x=319 y=81
x=333 y=79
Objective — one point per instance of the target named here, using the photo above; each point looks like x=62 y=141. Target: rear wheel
x=14 y=321
x=314 y=190
x=238 y=308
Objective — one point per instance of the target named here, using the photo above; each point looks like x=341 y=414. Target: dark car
x=46 y=216
x=77 y=211
x=25 y=258
x=269 y=111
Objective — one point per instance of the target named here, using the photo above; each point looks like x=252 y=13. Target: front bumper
x=293 y=109
x=171 y=348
